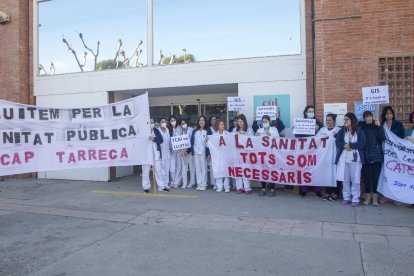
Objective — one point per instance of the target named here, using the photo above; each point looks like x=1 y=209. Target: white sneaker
x=183 y=187
x=227 y=190
x=219 y=190
x=198 y=188
x=215 y=187
x=202 y=188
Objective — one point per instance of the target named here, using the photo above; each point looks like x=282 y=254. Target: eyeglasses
x=346 y=119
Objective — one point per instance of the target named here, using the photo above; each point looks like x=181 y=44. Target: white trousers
x=159 y=176
x=188 y=164
x=352 y=174
x=212 y=179
x=175 y=167
x=165 y=169
x=222 y=183
x=201 y=169
x=240 y=182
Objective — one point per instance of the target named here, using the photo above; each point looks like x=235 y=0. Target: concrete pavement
x=55 y=227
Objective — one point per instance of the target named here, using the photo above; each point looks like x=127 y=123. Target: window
x=398 y=73
x=103 y=21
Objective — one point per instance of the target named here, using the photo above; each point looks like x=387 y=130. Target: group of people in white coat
x=359 y=154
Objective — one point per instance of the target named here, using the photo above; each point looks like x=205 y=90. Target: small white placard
x=266 y=110
x=304 y=126
x=180 y=142
x=340 y=109
x=375 y=95
x=236 y=104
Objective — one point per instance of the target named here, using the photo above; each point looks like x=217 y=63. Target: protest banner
x=266 y=110
x=375 y=95
x=35 y=139
x=299 y=161
x=180 y=142
x=304 y=126
x=397 y=176
x=236 y=104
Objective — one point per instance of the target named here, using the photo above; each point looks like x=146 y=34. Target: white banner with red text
x=299 y=161
x=397 y=176
x=36 y=139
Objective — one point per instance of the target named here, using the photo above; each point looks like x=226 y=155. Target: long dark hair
x=384 y=112
x=198 y=127
x=209 y=120
x=169 y=126
x=245 y=125
x=306 y=111
x=354 y=122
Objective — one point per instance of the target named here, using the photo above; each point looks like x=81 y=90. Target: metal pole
x=150 y=33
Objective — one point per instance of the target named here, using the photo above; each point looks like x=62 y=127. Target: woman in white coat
x=222 y=183
x=165 y=150
x=175 y=161
x=212 y=125
x=267 y=130
x=242 y=184
x=187 y=160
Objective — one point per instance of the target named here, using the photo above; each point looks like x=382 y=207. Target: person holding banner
x=374 y=156
x=411 y=120
x=187 y=159
x=212 y=125
x=388 y=121
x=243 y=185
x=200 y=152
x=332 y=193
x=268 y=130
x=222 y=183
x=157 y=140
x=165 y=152
x=350 y=142
x=175 y=161
x=278 y=124
x=309 y=113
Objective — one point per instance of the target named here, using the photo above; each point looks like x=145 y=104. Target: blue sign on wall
x=281 y=101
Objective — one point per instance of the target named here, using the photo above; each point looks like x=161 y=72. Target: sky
x=208 y=29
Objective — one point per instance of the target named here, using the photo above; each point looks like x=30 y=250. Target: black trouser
x=271 y=185
x=334 y=190
x=371 y=172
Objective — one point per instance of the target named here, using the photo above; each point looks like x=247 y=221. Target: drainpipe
x=313 y=53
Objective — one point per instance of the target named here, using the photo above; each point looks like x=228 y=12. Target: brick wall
x=348 y=50
x=16 y=82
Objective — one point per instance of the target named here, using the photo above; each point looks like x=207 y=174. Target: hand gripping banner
x=35 y=139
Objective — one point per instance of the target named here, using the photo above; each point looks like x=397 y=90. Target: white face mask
x=184 y=126
x=173 y=123
x=152 y=126
x=265 y=125
x=311 y=115
x=163 y=125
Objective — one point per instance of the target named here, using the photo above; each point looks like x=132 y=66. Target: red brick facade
x=350 y=37
x=16 y=73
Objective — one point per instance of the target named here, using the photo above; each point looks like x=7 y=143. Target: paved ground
x=53 y=227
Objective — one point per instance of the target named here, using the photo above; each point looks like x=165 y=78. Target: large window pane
x=104 y=21
x=214 y=29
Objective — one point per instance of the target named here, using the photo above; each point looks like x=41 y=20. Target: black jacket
x=158 y=139
x=191 y=150
x=397 y=128
x=359 y=145
x=374 y=136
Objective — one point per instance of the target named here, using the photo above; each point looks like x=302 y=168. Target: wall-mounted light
x=4 y=18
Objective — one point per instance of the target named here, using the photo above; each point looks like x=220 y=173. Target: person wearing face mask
x=212 y=122
x=268 y=131
x=309 y=113
x=374 y=156
x=165 y=152
x=187 y=159
x=350 y=142
x=332 y=193
x=157 y=141
x=200 y=152
x=275 y=123
x=243 y=184
x=175 y=161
